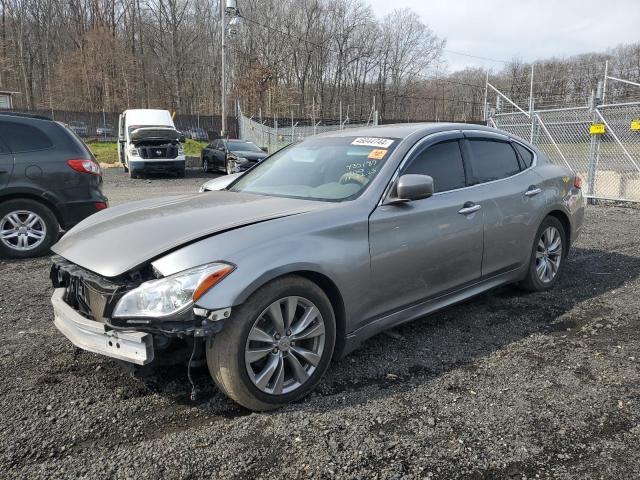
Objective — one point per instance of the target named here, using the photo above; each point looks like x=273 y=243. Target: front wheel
x=276 y=346
x=547 y=257
x=205 y=165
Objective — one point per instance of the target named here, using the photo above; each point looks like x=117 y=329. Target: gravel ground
x=508 y=385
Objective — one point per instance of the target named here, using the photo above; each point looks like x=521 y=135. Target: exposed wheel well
x=566 y=224
x=29 y=196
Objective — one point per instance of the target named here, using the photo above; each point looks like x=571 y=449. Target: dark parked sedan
x=230 y=156
x=49 y=181
x=324 y=244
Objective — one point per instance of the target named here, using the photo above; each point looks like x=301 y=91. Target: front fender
x=322 y=243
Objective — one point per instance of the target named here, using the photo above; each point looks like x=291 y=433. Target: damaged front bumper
x=83 y=302
x=134 y=347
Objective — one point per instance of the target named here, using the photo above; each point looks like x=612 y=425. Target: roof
x=403 y=130
x=23 y=115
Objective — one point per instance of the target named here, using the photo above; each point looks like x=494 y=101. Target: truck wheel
x=276 y=346
x=27 y=229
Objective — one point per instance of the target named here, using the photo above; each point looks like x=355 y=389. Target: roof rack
x=24 y=115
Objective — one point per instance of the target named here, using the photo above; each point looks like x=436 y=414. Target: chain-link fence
x=274 y=134
x=597 y=141
x=609 y=162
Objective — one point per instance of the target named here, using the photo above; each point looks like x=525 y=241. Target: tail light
x=100 y=205
x=577 y=182
x=83 y=165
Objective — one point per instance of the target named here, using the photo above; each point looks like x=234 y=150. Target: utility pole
x=228 y=10
x=223 y=100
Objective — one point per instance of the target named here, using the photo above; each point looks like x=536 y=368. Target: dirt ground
x=507 y=385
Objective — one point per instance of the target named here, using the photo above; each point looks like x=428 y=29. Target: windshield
x=238 y=146
x=324 y=168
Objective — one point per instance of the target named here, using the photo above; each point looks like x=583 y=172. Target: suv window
x=525 y=155
x=24 y=138
x=493 y=159
x=443 y=162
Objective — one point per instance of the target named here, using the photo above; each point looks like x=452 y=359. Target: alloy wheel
x=22 y=230
x=285 y=345
x=205 y=165
x=548 y=254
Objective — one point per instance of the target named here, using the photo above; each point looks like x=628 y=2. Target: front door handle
x=533 y=191
x=469 y=208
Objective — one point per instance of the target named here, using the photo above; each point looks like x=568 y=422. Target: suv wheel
x=276 y=346
x=547 y=257
x=27 y=229
x=205 y=165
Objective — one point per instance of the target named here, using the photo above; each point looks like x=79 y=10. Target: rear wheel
x=547 y=258
x=276 y=346
x=27 y=229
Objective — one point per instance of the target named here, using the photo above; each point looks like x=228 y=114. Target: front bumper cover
x=134 y=347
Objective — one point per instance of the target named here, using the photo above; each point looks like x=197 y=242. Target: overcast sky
x=530 y=30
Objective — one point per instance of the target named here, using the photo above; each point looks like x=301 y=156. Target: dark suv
x=49 y=181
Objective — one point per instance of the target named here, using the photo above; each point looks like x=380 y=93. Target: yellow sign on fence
x=635 y=125
x=597 y=129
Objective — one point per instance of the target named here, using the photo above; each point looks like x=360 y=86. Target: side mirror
x=182 y=138
x=264 y=149
x=414 y=187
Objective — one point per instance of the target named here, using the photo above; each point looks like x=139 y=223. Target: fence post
x=594 y=147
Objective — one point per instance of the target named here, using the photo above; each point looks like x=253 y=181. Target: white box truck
x=148 y=142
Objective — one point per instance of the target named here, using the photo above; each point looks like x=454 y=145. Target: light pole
x=230 y=9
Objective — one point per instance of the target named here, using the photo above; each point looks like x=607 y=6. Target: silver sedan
x=317 y=248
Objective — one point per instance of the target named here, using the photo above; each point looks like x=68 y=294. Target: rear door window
x=24 y=138
x=525 y=155
x=443 y=163
x=492 y=160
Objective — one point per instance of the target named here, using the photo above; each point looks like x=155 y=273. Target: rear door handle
x=533 y=191
x=469 y=208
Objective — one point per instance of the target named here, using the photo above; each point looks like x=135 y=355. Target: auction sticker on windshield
x=372 y=142
x=377 y=154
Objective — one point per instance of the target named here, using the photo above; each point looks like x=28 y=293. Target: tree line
x=307 y=58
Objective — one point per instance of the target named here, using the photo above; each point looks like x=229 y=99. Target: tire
x=125 y=168
x=533 y=281
x=205 y=165
x=46 y=227
x=133 y=174
x=226 y=352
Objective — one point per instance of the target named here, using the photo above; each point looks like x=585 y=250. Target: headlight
x=133 y=151
x=234 y=164
x=171 y=295
x=180 y=150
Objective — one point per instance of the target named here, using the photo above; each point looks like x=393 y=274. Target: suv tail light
x=83 y=165
x=577 y=182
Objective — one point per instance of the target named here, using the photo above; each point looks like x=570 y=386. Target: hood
x=154 y=133
x=122 y=238
x=219 y=183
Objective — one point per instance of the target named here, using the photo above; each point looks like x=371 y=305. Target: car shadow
x=453 y=338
